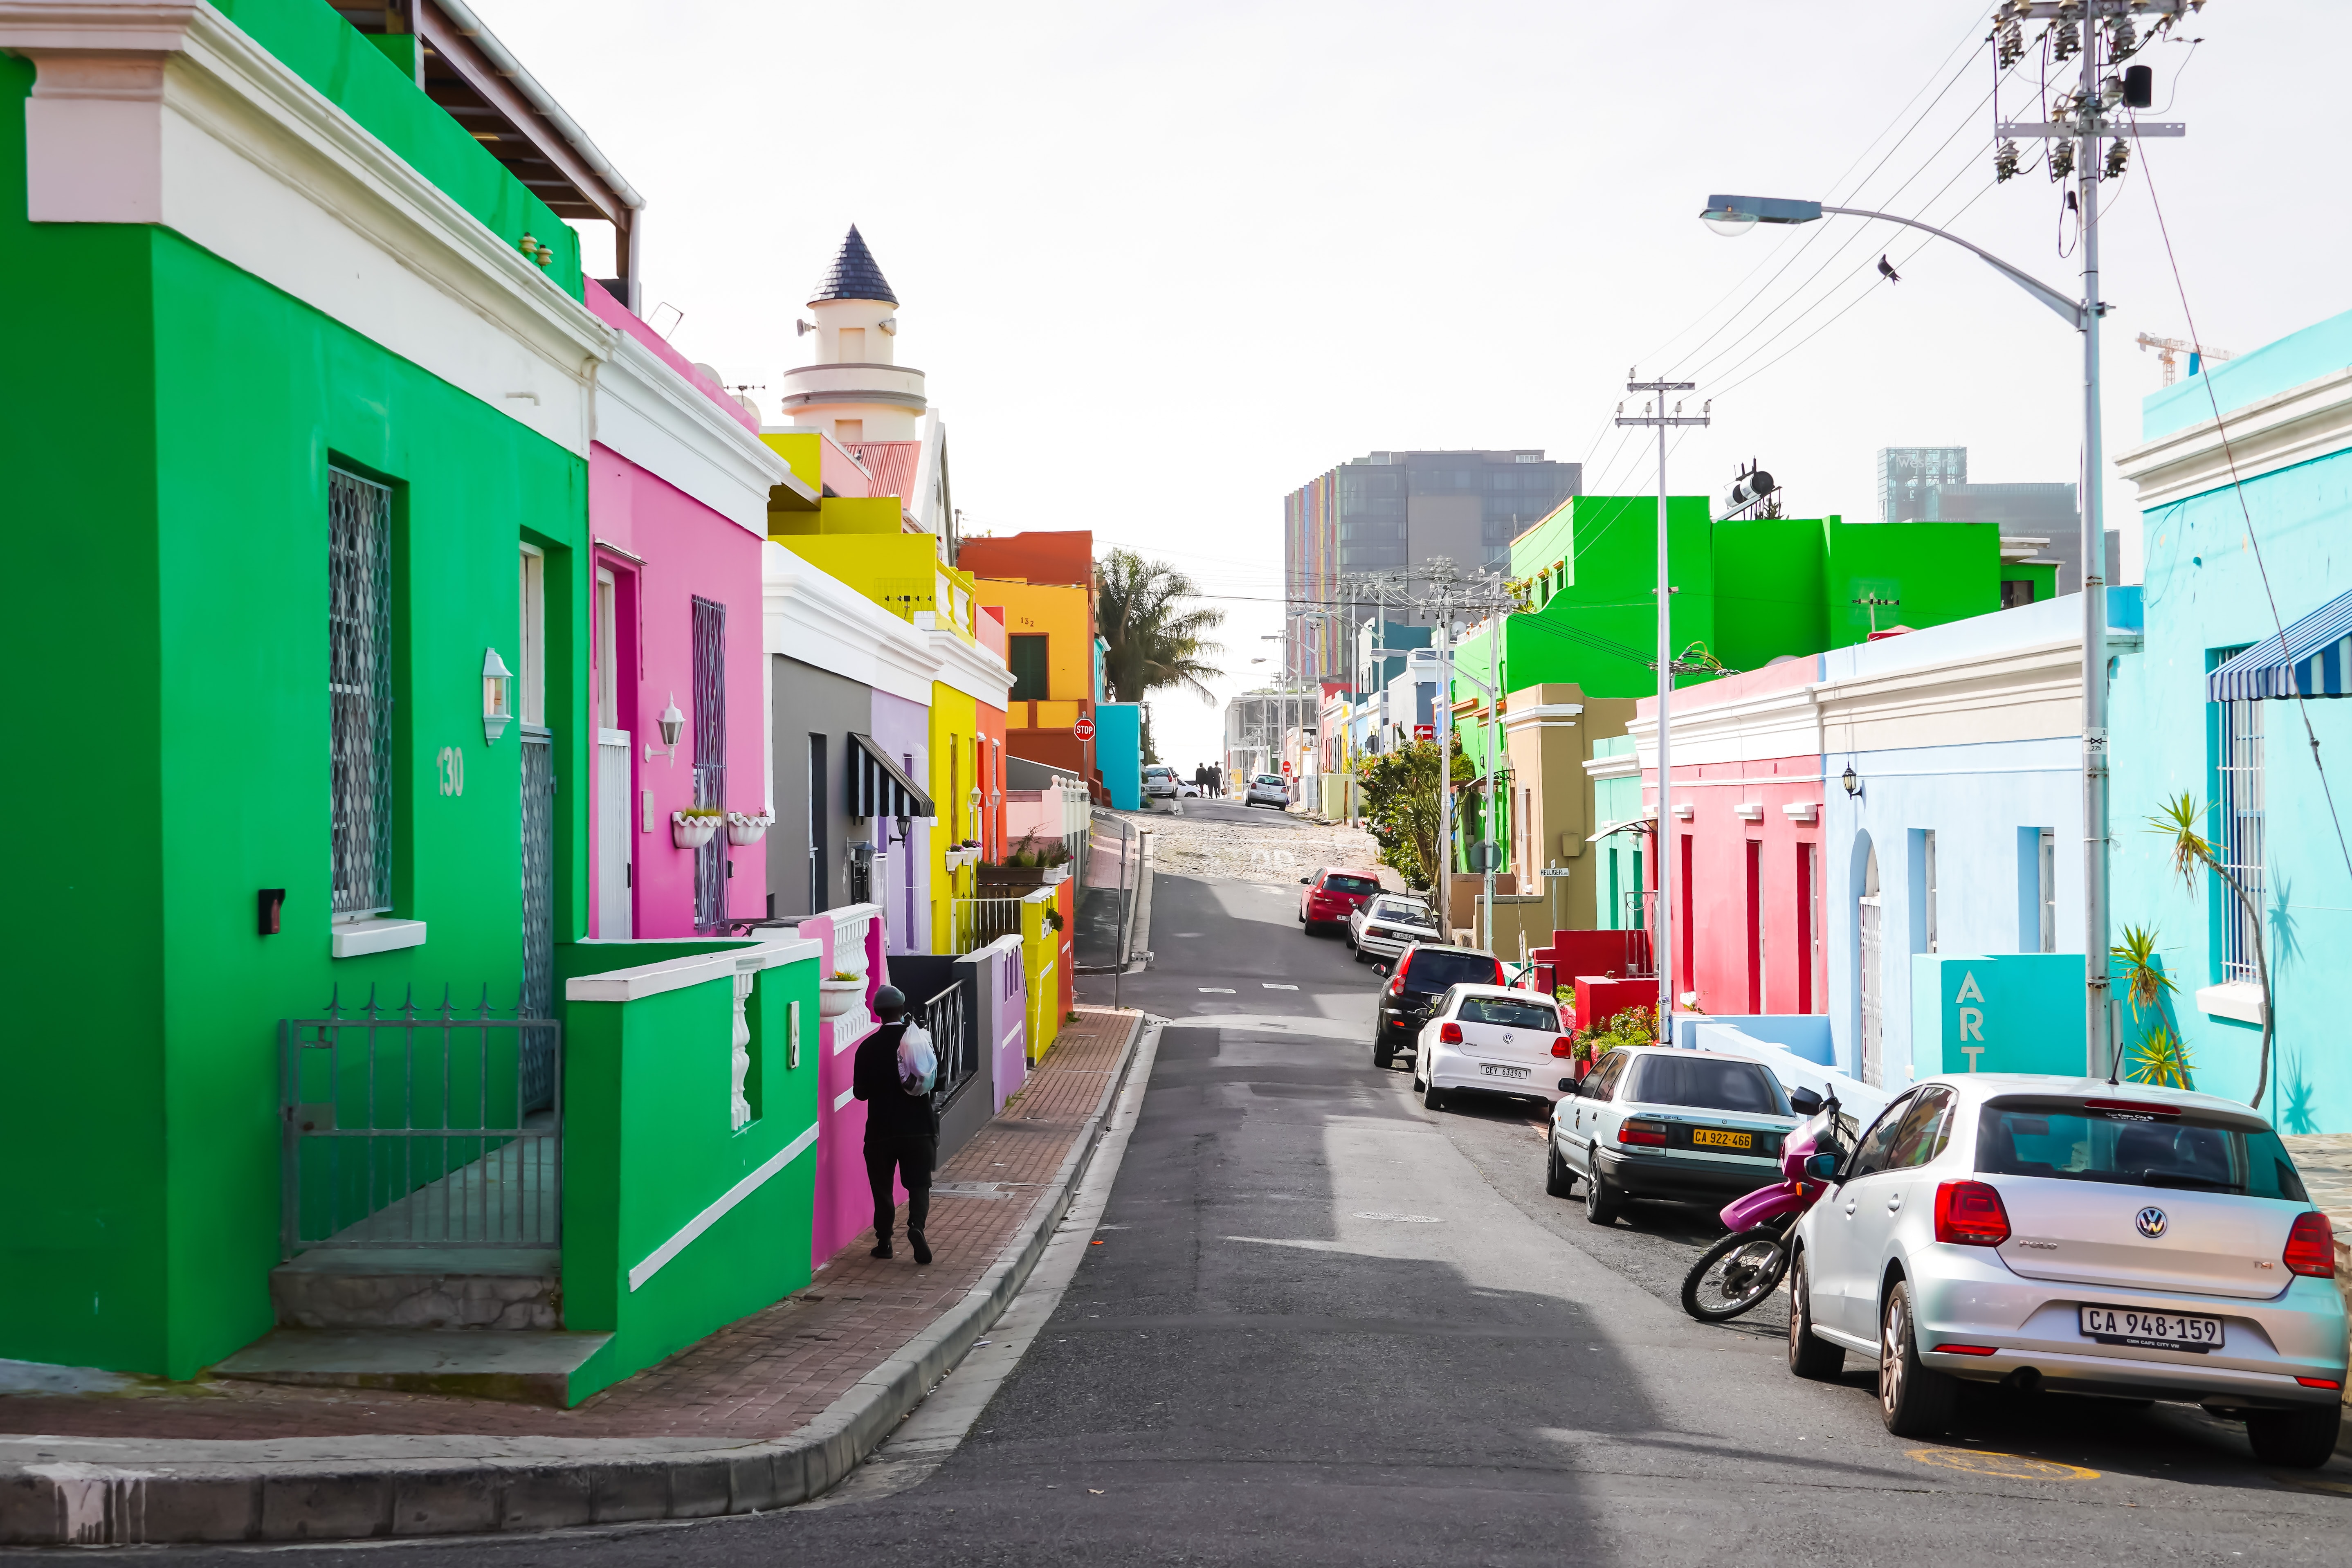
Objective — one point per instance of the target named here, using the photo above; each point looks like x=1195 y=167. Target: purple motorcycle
x=1736 y=1273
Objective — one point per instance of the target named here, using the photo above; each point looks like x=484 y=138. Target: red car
x=1332 y=895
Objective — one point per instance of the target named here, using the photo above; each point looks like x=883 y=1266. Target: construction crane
x=2166 y=348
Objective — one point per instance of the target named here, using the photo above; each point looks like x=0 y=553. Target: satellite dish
x=710 y=371
x=802 y=329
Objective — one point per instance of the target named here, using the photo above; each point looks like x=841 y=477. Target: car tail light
x=1653 y=1133
x=1396 y=984
x=1449 y=1034
x=1970 y=1213
x=1968 y=1350
x=2310 y=1247
x=1559 y=1047
x=2318 y=1382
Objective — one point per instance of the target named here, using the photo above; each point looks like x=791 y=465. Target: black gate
x=711 y=757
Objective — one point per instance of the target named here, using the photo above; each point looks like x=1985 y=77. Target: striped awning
x=878 y=786
x=2312 y=658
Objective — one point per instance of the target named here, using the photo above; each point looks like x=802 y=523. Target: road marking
x=2009 y=1466
x=1217 y=990
x=1274 y=985
x=1401 y=1219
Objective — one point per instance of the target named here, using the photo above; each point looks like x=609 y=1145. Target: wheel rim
x=1740 y=1277
x=1798 y=1307
x=1890 y=1356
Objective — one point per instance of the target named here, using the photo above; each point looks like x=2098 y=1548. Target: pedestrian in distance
x=902 y=1130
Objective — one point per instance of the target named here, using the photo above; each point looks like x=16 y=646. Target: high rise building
x=2039 y=522
x=1395 y=513
x=1904 y=472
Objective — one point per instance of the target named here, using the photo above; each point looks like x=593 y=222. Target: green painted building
x=295 y=441
x=1747 y=592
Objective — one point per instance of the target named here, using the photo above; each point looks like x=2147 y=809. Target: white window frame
x=530 y=677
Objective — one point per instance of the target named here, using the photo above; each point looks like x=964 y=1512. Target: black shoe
x=881 y=1249
x=921 y=1248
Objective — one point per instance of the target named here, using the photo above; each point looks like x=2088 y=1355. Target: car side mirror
x=1568 y=1086
x=1805 y=1102
x=1304 y=880
x=1821 y=1167
x=1382 y=970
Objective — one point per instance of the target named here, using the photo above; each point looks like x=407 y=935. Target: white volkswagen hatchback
x=1493 y=1038
x=2075 y=1234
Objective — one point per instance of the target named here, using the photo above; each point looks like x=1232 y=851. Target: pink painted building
x=1744 y=843
x=678 y=485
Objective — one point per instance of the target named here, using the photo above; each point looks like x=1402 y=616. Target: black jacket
x=891 y=1111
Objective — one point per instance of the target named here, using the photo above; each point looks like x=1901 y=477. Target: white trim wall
x=822 y=621
x=2294 y=426
x=654 y=417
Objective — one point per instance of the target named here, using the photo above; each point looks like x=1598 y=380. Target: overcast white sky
x=1164 y=263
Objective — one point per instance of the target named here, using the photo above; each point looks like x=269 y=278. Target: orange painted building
x=1042 y=584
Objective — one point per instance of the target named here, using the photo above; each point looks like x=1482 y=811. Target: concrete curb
x=60 y=1501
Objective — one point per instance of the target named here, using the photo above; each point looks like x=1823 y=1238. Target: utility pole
x=2105 y=33
x=1661 y=940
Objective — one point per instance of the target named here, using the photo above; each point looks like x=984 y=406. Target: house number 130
x=453 y=770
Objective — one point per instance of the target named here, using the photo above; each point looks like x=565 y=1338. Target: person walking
x=902 y=1131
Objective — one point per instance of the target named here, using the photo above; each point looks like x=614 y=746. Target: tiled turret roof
x=854 y=275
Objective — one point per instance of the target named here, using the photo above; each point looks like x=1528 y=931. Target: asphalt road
x=1327 y=1326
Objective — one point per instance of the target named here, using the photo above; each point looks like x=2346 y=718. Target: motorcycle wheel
x=1734 y=1275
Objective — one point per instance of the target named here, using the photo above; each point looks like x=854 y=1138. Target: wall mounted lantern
x=673 y=724
x=1852 y=784
x=498 y=695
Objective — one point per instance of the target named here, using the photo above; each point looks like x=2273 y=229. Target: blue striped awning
x=2312 y=658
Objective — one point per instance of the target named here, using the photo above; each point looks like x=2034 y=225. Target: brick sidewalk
x=763 y=1376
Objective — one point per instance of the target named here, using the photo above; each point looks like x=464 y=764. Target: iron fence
x=711 y=757
x=952 y=1036
x=411 y=1126
x=359 y=692
x=978 y=921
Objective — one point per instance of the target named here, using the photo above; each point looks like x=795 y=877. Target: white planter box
x=692 y=832
x=742 y=827
x=1054 y=874
x=837 y=997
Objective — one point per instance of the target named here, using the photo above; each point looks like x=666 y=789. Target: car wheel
x=1603 y=1202
x=1383 y=1054
x=1432 y=1097
x=1915 y=1401
x=1810 y=1355
x=1559 y=1181
x=2301 y=1438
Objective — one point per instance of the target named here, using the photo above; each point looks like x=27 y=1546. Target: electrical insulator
x=2068 y=40
x=2062 y=159
x=2123 y=37
x=2011 y=46
x=2004 y=161
x=2119 y=155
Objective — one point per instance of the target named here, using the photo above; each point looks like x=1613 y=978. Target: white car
x=1491 y=1038
x=1384 y=927
x=1267 y=789
x=1651 y=1121
x=2071 y=1234
x=1159 y=782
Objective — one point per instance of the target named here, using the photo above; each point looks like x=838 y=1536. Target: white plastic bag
x=919 y=1063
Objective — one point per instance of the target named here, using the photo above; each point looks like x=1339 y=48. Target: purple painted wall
x=903 y=879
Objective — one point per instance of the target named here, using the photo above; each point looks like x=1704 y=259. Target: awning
x=2312 y=658
x=1637 y=824
x=879 y=786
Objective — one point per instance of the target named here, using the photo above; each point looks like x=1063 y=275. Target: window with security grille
x=359 y=692
x=2239 y=805
x=711 y=756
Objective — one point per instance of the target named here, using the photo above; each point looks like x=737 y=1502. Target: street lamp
x=1736 y=215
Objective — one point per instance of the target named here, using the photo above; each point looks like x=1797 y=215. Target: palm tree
x=2175 y=820
x=1154 y=628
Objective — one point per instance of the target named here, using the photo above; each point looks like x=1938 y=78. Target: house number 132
x=453 y=770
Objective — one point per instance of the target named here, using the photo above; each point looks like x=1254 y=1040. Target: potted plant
x=747 y=827
x=841 y=994
x=692 y=826
x=1032 y=864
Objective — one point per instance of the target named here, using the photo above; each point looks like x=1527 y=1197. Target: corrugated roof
x=854 y=275
x=892 y=464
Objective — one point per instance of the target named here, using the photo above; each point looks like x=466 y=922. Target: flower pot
x=835 y=997
x=747 y=828
x=1054 y=874
x=692 y=832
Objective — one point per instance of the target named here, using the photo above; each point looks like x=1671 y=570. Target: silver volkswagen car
x=2075 y=1235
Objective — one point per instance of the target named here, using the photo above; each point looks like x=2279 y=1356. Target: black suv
x=1422 y=973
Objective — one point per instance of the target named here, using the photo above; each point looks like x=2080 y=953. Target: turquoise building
x=2248 y=561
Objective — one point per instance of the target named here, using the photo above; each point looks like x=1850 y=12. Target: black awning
x=879 y=786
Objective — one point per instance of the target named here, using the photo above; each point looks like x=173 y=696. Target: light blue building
x=2245 y=541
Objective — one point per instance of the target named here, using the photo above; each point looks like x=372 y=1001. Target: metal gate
x=955 y=1040
x=412 y=1127
x=711 y=757
x=538 y=993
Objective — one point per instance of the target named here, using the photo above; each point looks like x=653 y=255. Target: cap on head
x=889 y=1003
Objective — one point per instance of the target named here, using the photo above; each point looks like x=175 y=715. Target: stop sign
x=1084 y=728
x=1285 y=770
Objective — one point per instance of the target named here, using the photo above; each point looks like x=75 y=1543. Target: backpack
x=919 y=1063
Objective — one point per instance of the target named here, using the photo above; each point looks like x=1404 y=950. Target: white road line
x=1274 y=986
x=1218 y=990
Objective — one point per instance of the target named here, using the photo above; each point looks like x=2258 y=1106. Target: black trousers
x=910 y=1158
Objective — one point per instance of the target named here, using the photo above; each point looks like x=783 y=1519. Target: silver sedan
x=1384 y=927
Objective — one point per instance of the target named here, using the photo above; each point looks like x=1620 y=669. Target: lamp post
x=1739 y=214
